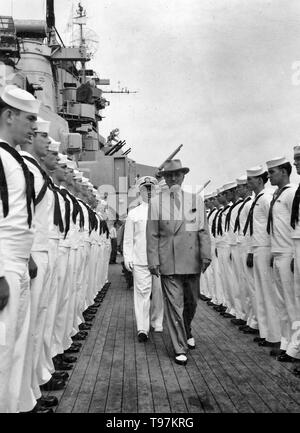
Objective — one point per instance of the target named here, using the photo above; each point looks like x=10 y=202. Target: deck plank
x=226 y=372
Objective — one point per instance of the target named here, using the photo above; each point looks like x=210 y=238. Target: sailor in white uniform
x=18 y=115
x=135 y=260
x=260 y=257
x=280 y=231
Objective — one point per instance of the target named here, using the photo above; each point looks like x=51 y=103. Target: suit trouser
x=30 y=387
x=227 y=277
x=63 y=274
x=247 y=288
x=181 y=293
x=293 y=348
x=266 y=295
x=14 y=320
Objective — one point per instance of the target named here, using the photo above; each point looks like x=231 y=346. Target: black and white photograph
x=149 y=209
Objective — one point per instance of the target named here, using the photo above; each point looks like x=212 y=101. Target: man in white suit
x=178 y=249
x=135 y=260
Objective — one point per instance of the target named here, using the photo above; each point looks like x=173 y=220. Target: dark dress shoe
x=61 y=375
x=266 y=343
x=227 y=316
x=286 y=358
x=91 y=311
x=69 y=359
x=276 y=352
x=72 y=349
x=238 y=321
x=76 y=344
x=88 y=317
x=258 y=339
x=40 y=409
x=53 y=385
x=251 y=331
x=211 y=304
x=243 y=327
x=48 y=401
x=60 y=365
x=84 y=327
x=142 y=337
x=296 y=370
x=78 y=337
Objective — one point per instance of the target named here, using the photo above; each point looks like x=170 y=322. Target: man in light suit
x=178 y=249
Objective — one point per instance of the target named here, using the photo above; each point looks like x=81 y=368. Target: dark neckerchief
x=295 y=208
x=29 y=180
x=63 y=192
x=237 y=220
x=210 y=213
x=43 y=190
x=76 y=209
x=214 y=222
x=220 y=229
x=228 y=216
x=57 y=218
x=276 y=195
x=249 y=221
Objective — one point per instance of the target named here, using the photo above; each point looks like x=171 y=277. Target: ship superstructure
x=33 y=56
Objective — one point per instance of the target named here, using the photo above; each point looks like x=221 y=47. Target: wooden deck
x=227 y=372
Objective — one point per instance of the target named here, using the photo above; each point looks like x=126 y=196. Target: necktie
x=295 y=208
x=29 y=180
x=237 y=220
x=220 y=229
x=274 y=199
x=249 y=221
x=228 y=216
x=176 y=199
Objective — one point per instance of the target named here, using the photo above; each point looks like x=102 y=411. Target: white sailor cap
x=220 y=190
x=255 y=171
x=229 y=185
x=242 y=180
x=63 y=159
x=54 y=145
x=90 y=186
x=20 y=99
x=146 y=180
x=95 y=192
x=275 y=162
x=77 y=175
x=297 y=150
x=214 y=194
x=42 y=125
x=207 y=196
x=71 y=164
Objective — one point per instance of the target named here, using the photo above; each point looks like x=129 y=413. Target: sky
x=219 y=76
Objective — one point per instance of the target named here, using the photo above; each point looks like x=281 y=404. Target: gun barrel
x=203 y=186
x=170 y=156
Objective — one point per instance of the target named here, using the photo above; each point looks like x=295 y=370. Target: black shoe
x=48 y=401
x=227 y=316
x=181 y=359
x=258 y=339
x=68 y=359
x=266 y=343
x=60 y=365
x=78 y=336
x=276 y=352
x=286 y=358
x=296 y=370
x=211 y=304
x=142 y=337
x=53 y=385
x=61 y=375
x=251 y=331
x=40 y=409
x=72 y=349
x=238 y=321
x=243 y=327
x=84 y=327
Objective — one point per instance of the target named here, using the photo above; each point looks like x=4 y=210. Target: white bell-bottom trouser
x=265 y=292
x=142 y=290
x=14 y=329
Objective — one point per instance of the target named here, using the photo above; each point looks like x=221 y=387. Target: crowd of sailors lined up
x=54 y=255
x=254 y=277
